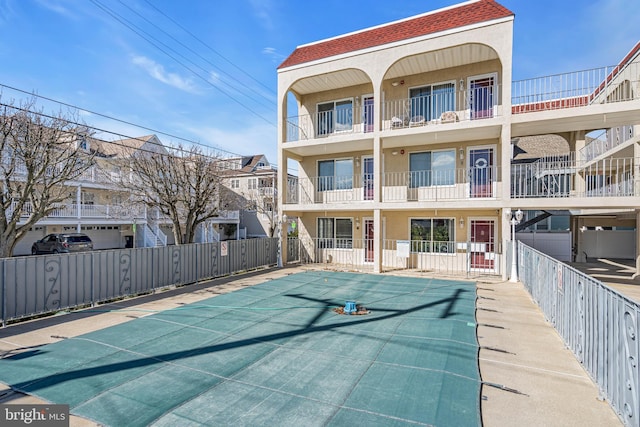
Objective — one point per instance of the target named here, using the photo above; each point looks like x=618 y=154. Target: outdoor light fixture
x=461 y=155
x=394 y=152
x=394 y=84
x=461 y=222
x=461 y=84
x=357 y=223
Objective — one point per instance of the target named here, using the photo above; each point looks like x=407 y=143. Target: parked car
x=62 y=243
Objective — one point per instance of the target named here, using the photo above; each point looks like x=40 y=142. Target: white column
x=79 y=206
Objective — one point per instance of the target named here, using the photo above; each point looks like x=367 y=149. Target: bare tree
x=39 y=155
x=183 y=184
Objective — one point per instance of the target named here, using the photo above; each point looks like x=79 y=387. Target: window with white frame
x=335 y=233
x=429 y=102
x=335 y=174
x=432 y=168
x=433 y=235
x=252 y=183
x=335 y=116
x=235 y=183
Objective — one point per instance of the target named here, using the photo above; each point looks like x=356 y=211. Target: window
x=335 y=174
x=432 y=168
x=433 y=235
x=429 y=102
x=235 y=183
x=253 y=184
x=335 y=233
x=335 y=116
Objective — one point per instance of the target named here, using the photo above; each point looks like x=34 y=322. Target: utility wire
x=115 y=16
x=208 y=47
x=230 y=76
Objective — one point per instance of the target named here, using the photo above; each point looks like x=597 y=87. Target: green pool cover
x=276 y=354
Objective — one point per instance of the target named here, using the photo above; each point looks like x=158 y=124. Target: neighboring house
x=414 y=146
x=101 y=207
x=253 y=180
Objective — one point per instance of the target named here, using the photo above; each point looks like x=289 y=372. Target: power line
x=155 y=131
x=121 y=20
x=232 y=77
x=208 y=47
x=120 y=143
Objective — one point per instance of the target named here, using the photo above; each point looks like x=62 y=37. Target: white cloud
x=272 y=52
x=263 y=9
x=158 y=72
x=59 y=7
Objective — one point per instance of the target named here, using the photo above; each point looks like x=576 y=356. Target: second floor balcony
x=409 y=186
x=557 y=178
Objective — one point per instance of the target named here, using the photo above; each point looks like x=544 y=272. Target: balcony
x=461 y=184
x=72 y=211
x=576 y=89
x=611 y=177
x=347 y=119
x=442 y=107
x=613 y=138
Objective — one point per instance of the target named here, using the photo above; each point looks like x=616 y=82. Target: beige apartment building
x=415 y=148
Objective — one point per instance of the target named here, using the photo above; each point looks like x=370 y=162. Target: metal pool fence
x=48 y=283
x=597 y=323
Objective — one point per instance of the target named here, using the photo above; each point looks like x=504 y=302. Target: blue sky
x=218 y=88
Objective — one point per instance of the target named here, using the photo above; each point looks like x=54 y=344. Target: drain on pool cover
x=350 y=307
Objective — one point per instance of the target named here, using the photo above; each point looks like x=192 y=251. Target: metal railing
x=42 y=284
x=575 y=89
x=441 y=108
x=75 y=211
x=456 y=258
x=454 y=184
x=614 y=137
x=599 y=324
x=354 y=119
x=609 y=177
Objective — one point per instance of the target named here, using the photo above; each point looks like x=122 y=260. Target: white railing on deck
x=576 y=89
x=614 y=137
x=610 y=177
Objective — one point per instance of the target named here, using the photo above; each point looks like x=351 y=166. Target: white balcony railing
x=354 y=119
x=86 y=211
x=611 y=177
x=442 y=108
x=437 y=108
x=576 y=89
x=455 y=184
x=612 y=138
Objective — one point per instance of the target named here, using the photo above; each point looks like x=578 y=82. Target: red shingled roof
x=461 y=16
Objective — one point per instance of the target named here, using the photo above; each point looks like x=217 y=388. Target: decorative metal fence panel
x=48 y=283
x=597 y=323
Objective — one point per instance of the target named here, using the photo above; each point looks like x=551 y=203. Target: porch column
x=636 y=275
x=377 y=241
x=506 y=238
x=506 y=155
x=79 y=206
x=578 y=143
x=580 y=255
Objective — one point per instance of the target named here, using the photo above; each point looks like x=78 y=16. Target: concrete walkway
x=529 y=356
x=526 y=354
x=617 y=273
